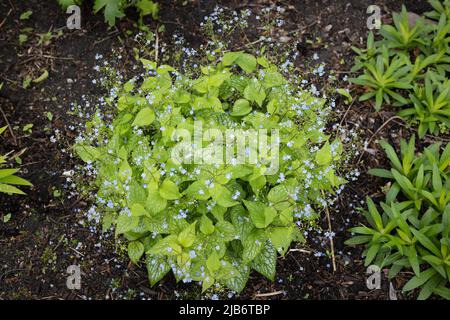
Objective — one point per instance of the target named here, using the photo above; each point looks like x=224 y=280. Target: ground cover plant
x=407 y=68
x=413 y=228
x=215 y=220
x=411 y=233
x=102 y=120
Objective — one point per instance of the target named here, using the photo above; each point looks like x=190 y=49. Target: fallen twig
x=4 y=20
x=378 y=131
x=300 y=250
x=269 y=294
x=9 y=126
x=346 y=112
x=333 y=258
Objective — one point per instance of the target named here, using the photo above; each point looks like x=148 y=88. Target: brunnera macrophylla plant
x=207 y=215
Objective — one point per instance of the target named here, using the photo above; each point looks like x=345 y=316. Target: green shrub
x=7 y=178
x=407 y=55
x=114 y=9
x=209 y=221
x=413 y=230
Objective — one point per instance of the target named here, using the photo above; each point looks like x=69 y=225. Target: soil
x=43 y=236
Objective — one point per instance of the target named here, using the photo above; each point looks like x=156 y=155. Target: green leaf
x=187 y=237
x=241 y=108
x=266 y=261
x=436 y=179
x=253 y=244
x=138 y=210
x=417 y=281
x=155 y=203
x=207 y=283
x=390 y=152
x=413 y=260
x=157 y=267
x=229 y=58
x=169 y=190
x=443 y=292
x=241 y=221
x=324 y=156
x=87 y=153
x=226 y=230
x=373 y=211
x=124 y=223
x=255 y=92
x=222 y=196
x=247 y=62
x=198 y=190
x=356 y=240
x=148 y=7
x=5 y=188
x=167 y=246
x=26 y=15
x=371 y=253
x=383 y=173
x=261 y=215
x=427 y=243
x=213 y=262
x=257 y=183
x=144 y=117
x=125 y=171
x=238 y=282
x=278 y=194
x=112 y=10
x=206 y=225
x=135 y=251
x=281 y=237
x=7 y=172
x=273 y=106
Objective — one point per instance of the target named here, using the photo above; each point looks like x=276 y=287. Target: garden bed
x=48 y=231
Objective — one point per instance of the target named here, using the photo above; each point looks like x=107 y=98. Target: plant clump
x=195 y=203
x=412 y=231
x=408 y=68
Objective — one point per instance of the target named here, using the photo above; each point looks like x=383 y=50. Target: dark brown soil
x=42 y=238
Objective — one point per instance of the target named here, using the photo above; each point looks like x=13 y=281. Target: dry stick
x=78 y=252
x=251 y=43
x=300 y=250
x=12 y=5
x=4 y=20
x=263 y=39
x=333 y=258
x=345 y=114
x=156 y=45
x=258 y=295
x=378 y=131
x=53 y=57
x=302 y=28
x=9 y=126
